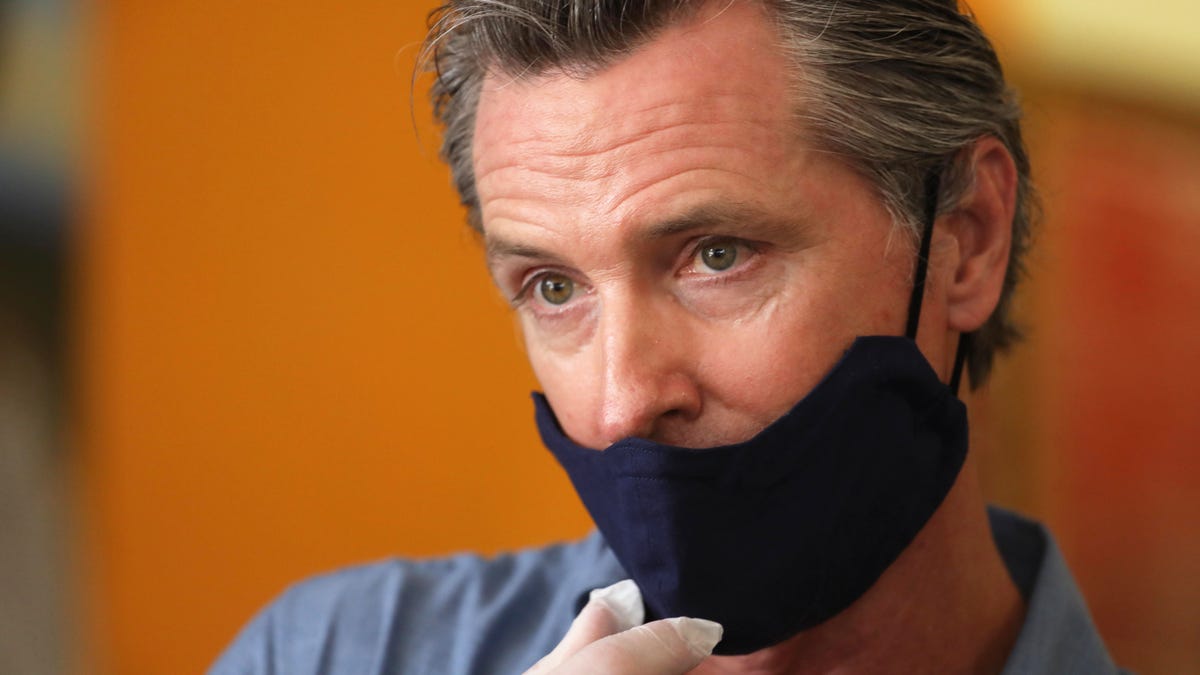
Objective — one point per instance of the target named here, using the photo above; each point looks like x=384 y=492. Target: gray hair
x=897 y=88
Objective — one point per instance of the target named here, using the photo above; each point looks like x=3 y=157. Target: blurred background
x=245 y=337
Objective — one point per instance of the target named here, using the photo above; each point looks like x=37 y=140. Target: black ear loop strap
x=960 y=360
x=933 y=186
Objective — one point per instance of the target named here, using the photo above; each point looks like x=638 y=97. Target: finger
x=609 y=610
x=665 y=647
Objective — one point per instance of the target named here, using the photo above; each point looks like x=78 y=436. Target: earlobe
x=981 y=223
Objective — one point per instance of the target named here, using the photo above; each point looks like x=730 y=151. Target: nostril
x=684 y=401
x=676 y=415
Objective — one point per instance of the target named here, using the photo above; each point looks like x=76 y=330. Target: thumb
x=609 y=610
x=665 y=647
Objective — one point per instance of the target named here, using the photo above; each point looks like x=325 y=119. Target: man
x=751 y=245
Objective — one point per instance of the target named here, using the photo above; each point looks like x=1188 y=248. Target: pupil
x=557 y=290
x=719 y=257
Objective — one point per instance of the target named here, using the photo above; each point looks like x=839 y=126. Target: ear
x=981 y=225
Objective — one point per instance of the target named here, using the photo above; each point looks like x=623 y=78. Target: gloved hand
x=608 y=637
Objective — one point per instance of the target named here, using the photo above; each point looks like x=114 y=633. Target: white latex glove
x=608 y=637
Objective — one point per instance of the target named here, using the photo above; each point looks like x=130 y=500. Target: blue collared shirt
x=467 y=614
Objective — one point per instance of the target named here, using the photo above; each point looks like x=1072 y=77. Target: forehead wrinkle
x=602 y=136
x=627 y=223
x=561 y=182
x=673 y=137
x=578 y=123
x=689 y=117
x=636 y=190
x=549 y=174
x=530 y=196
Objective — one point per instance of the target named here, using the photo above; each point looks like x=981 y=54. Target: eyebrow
x=736 y=218
x=499 y=247
x=733 y=218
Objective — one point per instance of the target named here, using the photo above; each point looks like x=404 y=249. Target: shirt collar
x=1058 y=636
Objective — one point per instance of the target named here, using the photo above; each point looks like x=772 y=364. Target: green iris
x=719 y=257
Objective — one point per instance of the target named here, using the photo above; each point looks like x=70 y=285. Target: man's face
x=684 y=264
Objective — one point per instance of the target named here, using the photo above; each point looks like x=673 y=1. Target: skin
x=620 y=190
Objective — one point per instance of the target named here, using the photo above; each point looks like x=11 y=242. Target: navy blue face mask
x=779 y=533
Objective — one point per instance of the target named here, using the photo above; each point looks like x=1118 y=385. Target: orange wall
x=292 y=358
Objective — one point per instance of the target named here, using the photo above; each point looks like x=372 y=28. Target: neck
x=946 y=605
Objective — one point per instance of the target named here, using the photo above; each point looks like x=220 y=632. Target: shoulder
x=459 y=614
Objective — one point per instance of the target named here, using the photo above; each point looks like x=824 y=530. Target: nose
x=649 y=388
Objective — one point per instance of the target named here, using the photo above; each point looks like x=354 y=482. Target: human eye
x=718 y=256
x=725 y=276
x=556 y=289
x=548 y=292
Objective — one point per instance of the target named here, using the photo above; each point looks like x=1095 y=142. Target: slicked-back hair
x=895 y=88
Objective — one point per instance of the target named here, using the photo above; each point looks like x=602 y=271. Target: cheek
x=874 y=298
x=549 y=370
x=760 y=369
x=764 y=366
x=565 y=382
